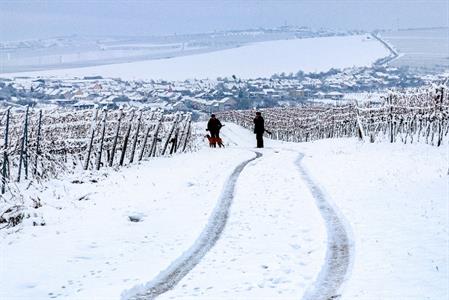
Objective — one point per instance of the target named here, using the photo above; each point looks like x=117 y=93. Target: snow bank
x=251 y=61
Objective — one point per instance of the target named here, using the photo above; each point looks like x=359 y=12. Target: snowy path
x=273 y=246
x=284 y=237
x=168 y=278
x=277 y=273
x=339 y=247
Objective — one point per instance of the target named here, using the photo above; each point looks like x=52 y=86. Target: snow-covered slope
x=89 y=248
x=251 y=61
x=395 y=198
x=391 y=199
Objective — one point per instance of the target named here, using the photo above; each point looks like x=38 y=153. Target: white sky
x=47 y=18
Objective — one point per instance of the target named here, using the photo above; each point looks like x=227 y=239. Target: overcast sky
x=40 y=19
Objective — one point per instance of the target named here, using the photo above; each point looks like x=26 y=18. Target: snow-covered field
x=425 y=48
x=395 y=198
x=392 y=200
x=251 y=61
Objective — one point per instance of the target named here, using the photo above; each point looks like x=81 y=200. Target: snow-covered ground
x=425 y=48
x=391 y=198
x=89 y=248
x=250 y=61
x=395 y=198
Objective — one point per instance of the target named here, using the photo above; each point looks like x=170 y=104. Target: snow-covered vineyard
x=410 y=116
x=39 y=145
x=224 y=150
x=285 y=222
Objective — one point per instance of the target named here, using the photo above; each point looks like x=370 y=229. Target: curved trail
x=179 y=268
x=339 y=250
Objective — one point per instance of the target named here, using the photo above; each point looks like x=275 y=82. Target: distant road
x=389 y=58
x=423 y=49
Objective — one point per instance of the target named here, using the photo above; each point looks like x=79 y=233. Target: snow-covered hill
x=111 y=239
x=250 y=61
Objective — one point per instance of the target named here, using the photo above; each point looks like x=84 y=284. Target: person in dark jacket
x=259 y=129
x=213 y=126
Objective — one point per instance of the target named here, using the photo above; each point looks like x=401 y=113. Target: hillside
x=276 y=218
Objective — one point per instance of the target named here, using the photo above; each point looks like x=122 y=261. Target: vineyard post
x=373 y=129
x=186 y=139
x=175 y=122
x=114 y=143
x=440 y=117
x=412 y=127
x=420 y=119
x=428 y=128
x=360 y=131
x=145 y=140
x=183 y=131
x=125 y=140
x=136 y=137
x=155 y=138
x=25 y=158
x=91 y=137
x=5 y=166
x=433 y=120
x=103 y=131
x=38 y=139
x=332 y=133
x=391 y=118
x=174 y=141
x=23 y=148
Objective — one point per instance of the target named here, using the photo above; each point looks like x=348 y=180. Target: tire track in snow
x=170 y=277
x=339 y=248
